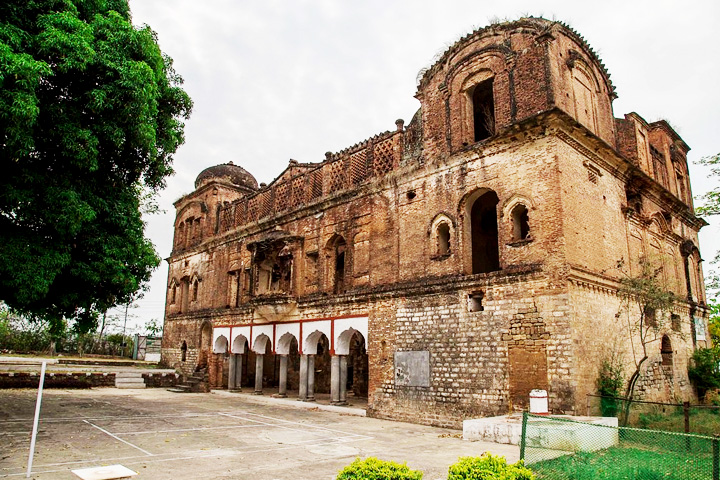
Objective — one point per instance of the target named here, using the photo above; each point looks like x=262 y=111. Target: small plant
x=488 y=467
x=609 y=384
x=373 y=469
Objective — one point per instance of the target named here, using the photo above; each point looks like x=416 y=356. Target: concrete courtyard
x=218 y=435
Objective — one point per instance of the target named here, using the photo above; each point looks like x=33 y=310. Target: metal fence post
x=716 y=457
x=524 y=432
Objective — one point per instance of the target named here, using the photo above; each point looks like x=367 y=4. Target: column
x=302 y=388
x=335 y=379
x=258 y=374
x=311 y=378
x=238 y=371
x=231 y=372
x=282 y=393
x=343 y=379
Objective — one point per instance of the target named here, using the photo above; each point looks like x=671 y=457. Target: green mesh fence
x=558 y=448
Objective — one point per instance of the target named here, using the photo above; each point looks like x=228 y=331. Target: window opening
x=274 y=269
x=484 y=233
x=195 y=290
x=443 y=239
x=483 y=110
x=475 y=300
x=183 y=351
x=339 y=286
x=173 y=294
x=675 y=322
x=521 y=225
x=666 y=352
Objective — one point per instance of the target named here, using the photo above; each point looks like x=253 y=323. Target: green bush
x=488 y=467
x=704 y=370
x=373 y=469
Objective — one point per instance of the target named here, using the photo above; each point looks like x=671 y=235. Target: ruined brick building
x=447 y=267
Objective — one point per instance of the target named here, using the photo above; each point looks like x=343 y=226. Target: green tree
x=91 y=112
x=646 y=301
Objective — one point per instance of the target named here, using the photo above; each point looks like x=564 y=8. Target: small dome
x=227 y=173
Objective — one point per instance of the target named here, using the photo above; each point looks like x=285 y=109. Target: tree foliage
x=646 y=300
x=90 y=114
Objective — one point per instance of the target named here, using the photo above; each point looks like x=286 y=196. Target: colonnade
x=306 y=391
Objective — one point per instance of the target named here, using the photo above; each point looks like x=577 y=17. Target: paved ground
x=216 y=435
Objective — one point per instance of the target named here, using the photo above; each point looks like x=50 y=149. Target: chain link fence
x=672 y=417
x=562 y=449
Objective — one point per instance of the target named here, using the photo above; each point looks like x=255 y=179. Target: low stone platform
x=508 y=429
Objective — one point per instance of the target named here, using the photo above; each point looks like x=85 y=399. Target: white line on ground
x=304 y=425
x=118 y=438
x=155 y=458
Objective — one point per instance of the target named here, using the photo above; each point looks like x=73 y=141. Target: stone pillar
x=282 y=392
x=343 y=379
x=335 y=379
x=258 y=374
x=238 y=371
x=311 y=379
x=302 y=388
x=231 y=372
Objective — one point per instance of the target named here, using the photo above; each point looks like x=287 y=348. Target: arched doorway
x=357 y=367
x=484 y=233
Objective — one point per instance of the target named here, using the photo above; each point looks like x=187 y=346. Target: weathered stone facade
x=446 y=268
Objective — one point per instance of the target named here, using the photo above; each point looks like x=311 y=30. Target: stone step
x=179 y=389
x=130 y=385
x=128 y=375
x=129 y=380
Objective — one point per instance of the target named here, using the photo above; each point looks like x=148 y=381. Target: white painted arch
x=284 y=333
x=217 y=333
x=344 y=329
x=261 y=334
x=312 y=332
x=220 y=345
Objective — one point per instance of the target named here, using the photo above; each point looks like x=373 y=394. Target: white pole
x=37 y=418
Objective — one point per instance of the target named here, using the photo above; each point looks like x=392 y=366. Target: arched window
x=443 y=238
x=173 y=294
x=484 y=233
x=336 y=248
x=195 y=286
x=666 y=351
x=521 y=225
x=483 y=110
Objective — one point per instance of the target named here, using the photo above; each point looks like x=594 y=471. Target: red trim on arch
x=274 y=345
x=300 y=341
x=332 y=336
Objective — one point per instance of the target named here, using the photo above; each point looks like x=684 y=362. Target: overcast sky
x=292 y=79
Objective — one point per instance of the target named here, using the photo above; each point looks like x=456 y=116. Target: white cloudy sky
x=283 y=79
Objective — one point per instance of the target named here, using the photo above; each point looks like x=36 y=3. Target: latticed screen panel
x=240 y=208
x=336 y=176
x=253 y=209
x=226 y=218
x=282 y=196
x=315 y=183
x=358 y=167
x=383 y=158
x=297 y=191
x=265 y=200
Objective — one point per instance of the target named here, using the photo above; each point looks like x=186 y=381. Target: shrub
x=488 y=467
x=373 y=469
x=704 y=370
x=609 y=384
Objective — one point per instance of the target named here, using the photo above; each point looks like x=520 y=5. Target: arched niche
x=221 y=344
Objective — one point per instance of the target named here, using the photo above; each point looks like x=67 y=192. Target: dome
x=227 y=173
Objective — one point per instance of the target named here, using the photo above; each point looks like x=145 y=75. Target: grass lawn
x=626 y=463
